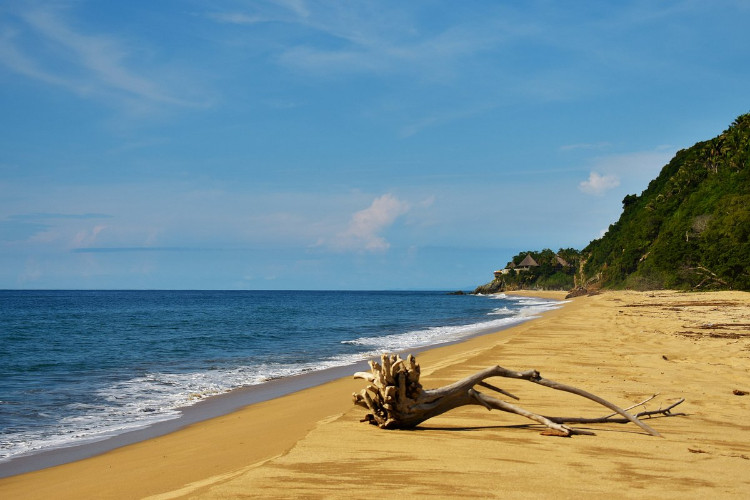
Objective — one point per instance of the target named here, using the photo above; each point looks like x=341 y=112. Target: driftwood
x=396 y=399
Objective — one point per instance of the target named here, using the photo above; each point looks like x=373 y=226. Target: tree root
x=396 y=399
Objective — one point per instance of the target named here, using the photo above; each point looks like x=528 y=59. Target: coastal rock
x=494 y=286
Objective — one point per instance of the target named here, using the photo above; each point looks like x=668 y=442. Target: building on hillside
x=507 y=269
x=562 y=262
x=527 y=263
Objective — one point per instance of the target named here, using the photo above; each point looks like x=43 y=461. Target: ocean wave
x=134 y=404
x=523 y=311
x=155 y=397
x=430 y=336
x=504 y=311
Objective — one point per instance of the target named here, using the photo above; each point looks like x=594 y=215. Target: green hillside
x=689 y=229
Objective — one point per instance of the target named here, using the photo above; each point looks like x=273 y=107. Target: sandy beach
x=623 y=346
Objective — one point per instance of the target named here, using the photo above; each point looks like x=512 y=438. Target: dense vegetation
x=550 y=274
x=690 y=229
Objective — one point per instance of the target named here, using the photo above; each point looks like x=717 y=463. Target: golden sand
x=623 y=346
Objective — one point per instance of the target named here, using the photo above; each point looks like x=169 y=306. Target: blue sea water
x=77 y=366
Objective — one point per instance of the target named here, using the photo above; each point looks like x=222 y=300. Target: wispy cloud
x=22 y=227
x=273 y=10
x=585 y=146
x=380 y=50
x=18 y=62
x=134 y=249
x=236 y=18
x=20 y=230
x=598 y=184
x=42 y=44
x=46 y=216
x=364 y=232
x=299 y=7
x=363 y=38
x=88 y=237
x=439 y=118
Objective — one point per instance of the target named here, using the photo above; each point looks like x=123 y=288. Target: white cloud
x=599 y=184
x=632 y=170
x=364 y=232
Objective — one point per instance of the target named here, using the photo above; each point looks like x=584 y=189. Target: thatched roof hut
x=527 y=263
x=561 y=261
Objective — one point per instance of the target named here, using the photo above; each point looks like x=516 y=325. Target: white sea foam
x=142 y=401
x=430 y=336
x=529 y=308
x=504 y=311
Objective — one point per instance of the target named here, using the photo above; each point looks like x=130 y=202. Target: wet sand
x=623 y=346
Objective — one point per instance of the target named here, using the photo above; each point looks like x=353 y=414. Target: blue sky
x=293 y=144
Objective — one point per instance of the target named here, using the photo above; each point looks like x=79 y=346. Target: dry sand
x=624 y=346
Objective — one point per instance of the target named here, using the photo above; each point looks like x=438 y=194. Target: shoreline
x=214 y=407
x=623 y=346
x=206 y=409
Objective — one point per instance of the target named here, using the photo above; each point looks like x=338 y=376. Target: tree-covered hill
x=690 y=228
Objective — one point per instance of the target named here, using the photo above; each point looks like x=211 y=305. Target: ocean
x=82 y=366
